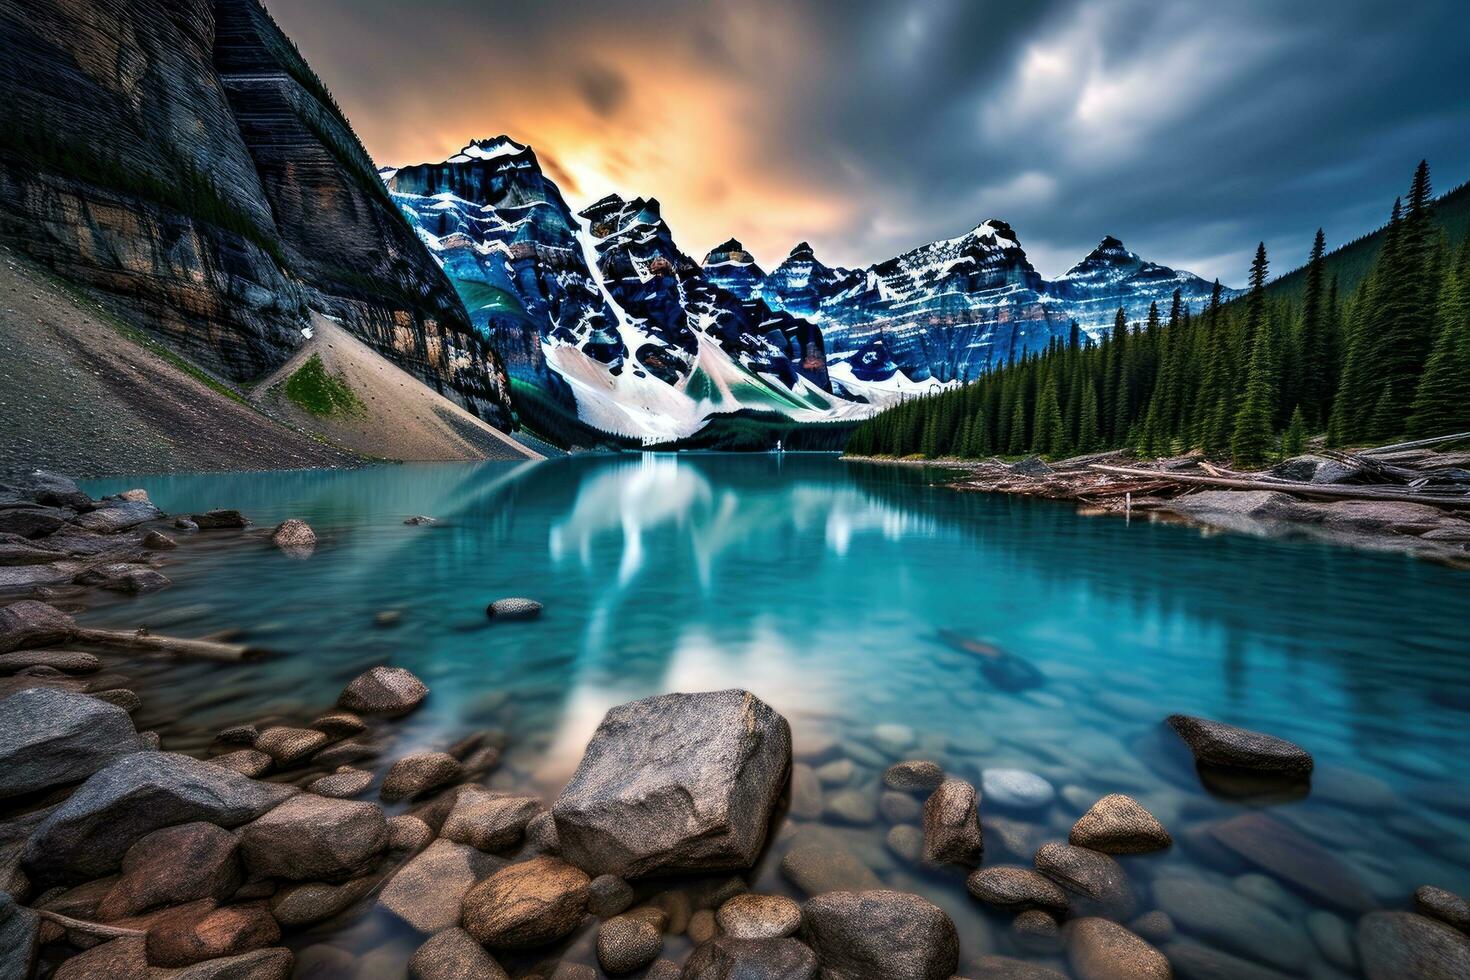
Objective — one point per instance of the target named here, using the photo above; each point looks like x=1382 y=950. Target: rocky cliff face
x=179 y=159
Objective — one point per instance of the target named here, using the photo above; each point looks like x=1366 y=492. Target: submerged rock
x=677 y=783
x=880 y=935
x=526 y=905
x=453 y=954
x=1228 y=747
x=1016 y=789
x=52 y=738
x=1394 y=945
x=913 y=776
x=87 y=836
x=427 y=892
x=1119 y=824
x=1227 y=919
x=729 y=958
x=1295 y=859
x=1103 y=950
x=383 y=691
x=817 y=861
x=1098 y=881
x=220 y=518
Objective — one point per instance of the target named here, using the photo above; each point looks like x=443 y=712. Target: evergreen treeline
x=1252 y=378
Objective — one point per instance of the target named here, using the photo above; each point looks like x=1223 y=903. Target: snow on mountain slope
x=604 y=311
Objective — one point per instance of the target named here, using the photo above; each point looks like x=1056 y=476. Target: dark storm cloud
x=604 y=88
x=1188 y=129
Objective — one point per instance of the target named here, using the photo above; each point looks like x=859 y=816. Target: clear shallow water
x=821 y=586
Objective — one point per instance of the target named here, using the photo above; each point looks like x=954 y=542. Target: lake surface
x=843 y=594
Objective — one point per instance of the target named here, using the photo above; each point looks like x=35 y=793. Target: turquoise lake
x=844 y=595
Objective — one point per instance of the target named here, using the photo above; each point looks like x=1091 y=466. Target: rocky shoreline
x=120 y=857
x=1292 y=500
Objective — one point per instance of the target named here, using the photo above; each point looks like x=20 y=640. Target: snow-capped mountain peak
x=489 y=149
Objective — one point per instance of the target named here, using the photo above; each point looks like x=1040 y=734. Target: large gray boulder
x=29 y=623
x=87 y=836
x=118 y=515
x=52 y=738
x=677 y=783
x=880 y=935
x=42 y=487
x=311 y=838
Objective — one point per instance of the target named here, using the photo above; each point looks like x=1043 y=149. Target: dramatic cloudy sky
x=1189 y=130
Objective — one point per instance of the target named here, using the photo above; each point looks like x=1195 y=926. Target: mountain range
x=603 y=310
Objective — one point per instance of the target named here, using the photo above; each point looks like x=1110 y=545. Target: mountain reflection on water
x=849 y=597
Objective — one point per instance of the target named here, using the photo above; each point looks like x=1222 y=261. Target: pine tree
x=1315 y=355
x=1294 y=442
x=1254 y=423
x=1442 y=400
x=1089 y=438
x=1049 y=440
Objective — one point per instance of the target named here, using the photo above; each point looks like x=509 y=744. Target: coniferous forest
x=1252 y=379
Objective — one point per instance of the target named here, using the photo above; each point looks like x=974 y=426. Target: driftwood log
x=1321 y=491
x=141 y=642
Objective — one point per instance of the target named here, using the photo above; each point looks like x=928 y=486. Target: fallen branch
x=1414 y=444
x=1326 y=491
x=140 y=642
x=96 y=929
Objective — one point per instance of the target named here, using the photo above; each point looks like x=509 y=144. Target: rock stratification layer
x=182 y=161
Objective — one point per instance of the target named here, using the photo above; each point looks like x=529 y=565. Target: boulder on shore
x=676 y=783
x=525 y=905
x=1228 y=747
x=52 y=738
x=87 y=836
x=313 y=838
x=880 y=935
x=28 y=623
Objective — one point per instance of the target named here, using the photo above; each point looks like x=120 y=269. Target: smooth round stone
x=913 y=776
x=1444 y=905
x=892 y=737
x=1118 y=824
x=759 y=916
x=1037 y=931
x=806 y=792
x=1103 y=950
x=608 y=895
x=899 y=807
x=851 y=806
x=625 y=944
x=415 y=774
x=1154 y=926
x=1010 y=887
x=247 y=762
x=1099 y=881
x=1400 y=945
x=383 y=691
x=514 y=608
x=702 y=927
x=290 y=745
x=1015 y=789
x=907 y=841
x=535 y=903
x=345 y=782
x=1333 y=937
x=838 y=772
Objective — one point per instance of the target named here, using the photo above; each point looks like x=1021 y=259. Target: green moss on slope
x=322 y=393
